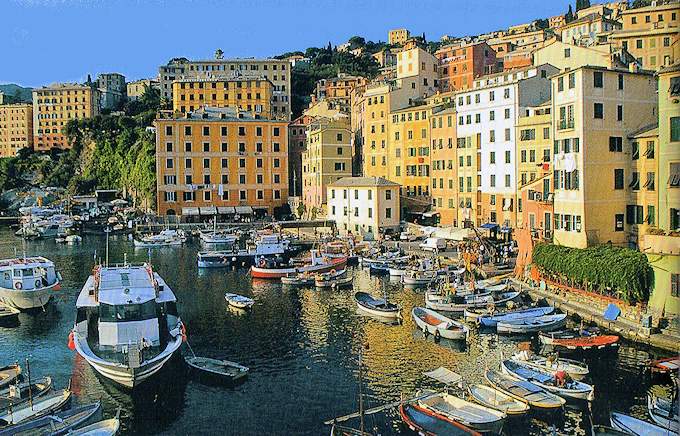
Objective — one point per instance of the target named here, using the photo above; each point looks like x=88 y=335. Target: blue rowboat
x=515 y=315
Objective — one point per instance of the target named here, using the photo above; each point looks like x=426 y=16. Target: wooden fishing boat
x=572 y=340
x=534 y=395
x=41 y=406
x=576 y=370
x=14 y=395
x=431 y=322
x=637 y=427
x=458 y=303
x=665 y=366
x=532 y=325
x=222 y=370
x=107 y=427
x=491 y=397
x=378 y=307
x=9 y=374
x=418 y=278
x=296 y=279
x=8 y=315
x=663 y=412
x=545 y=379
x=475 y=416
x=239 y=301
x=491 y=320
x=62 y=423
x=472 y=314
x=427 y=423
x=317 y=265
x=332 y=279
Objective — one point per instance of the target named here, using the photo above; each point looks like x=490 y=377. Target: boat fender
x=437 y=335
x=71 y=341
x=18 y=285
x=37 y=283
x=425 y=331
x=183 y=330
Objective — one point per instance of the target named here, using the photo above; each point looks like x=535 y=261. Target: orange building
x=443 y=163
x=338 y=90
x=16 y=128
x=297 y=139
x=214 y=159
x=461 y=63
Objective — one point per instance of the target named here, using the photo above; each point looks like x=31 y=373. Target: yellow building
x=469 y=149
x=376 y=110
x=398 y=36
x=137 y=88
x=444 y=164
x=214 y=159
x=328 y=158
x=642 y=206
x=594 y=110
x=56 y=105
x=651 y=34
x=338 y=90
x=569 y=56
x=16 y=128
x=250 y=95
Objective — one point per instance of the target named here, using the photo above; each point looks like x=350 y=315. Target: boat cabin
x=27 y=273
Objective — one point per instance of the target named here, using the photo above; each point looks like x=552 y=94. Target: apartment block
x=376 y=110
x=338 y=90
x=16 y=128
x=461 y=63
x=214 y=159
x=585 y=30
x=137 y=88
x=417 y=70
x=297 y=143
x=594 y=110
x=642 y=202
x=398 y=36
x=56 y=105
x=328 y=158
x=278 y=71
x=250 y=95
x=443 y=161
x=491 y=110
x=569 y=56
x=365 y=206
x=651 y=34
x=669 y=148
x=112 y=90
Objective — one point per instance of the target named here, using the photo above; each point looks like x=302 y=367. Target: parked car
x=433 y=244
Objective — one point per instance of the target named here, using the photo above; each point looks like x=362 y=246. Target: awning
x=506 y=229
x=453 y=234
x=489 y=226
x=209 y=210
x=244 y=210
x=226 y=210
x=188 y=211
x=443 y=375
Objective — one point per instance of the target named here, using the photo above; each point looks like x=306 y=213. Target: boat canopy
x=444 y=375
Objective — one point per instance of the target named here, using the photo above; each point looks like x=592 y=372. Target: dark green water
x=301 y=346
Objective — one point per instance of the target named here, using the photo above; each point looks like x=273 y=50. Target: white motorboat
x=218 y=236
x=239 y=301
x=379 y=307
x=28 y=282
x=165 y=238
x=127 y=326
x=431 y=322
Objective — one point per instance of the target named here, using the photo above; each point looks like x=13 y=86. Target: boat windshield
x=127 y=312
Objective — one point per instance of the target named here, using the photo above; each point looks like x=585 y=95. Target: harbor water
x=302 y=347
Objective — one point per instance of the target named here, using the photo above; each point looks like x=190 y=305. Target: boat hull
x=28 y=299
x=580 y=392
x=457 y=334
x=277 y=273
x=637 y=427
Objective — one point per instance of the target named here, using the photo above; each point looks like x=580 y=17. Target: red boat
x=574 y=341
x=318 y=265
x=668 y=365
x=427 y=423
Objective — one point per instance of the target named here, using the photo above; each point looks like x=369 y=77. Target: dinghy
x=239 y=301
x=41 y=406
x=534 y=395
x=475 y=416
x=458 y=303
x=425 y=422
x=14 y=395
x=9 y=374
x=62 y=423
x=332 y=279
x=545 y=379
x=107 y=427
x=514 y=315
x=417 y=278
x=532 y=325
x=296 y=279
x=663 y=412
x=377 y=307
x=576 y=370
x=222 y=370
x=495 y=399
x=572 y=340
x=431 y=322
x=637 y=427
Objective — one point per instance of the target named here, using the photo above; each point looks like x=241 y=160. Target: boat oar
x=190 y=349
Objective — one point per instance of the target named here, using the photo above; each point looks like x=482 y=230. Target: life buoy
x=261 y=263
x=18 y=285
x=37 y=283
x=71 y=341
x=333 y=271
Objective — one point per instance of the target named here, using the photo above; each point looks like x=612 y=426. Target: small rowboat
x=492 y=397
x=418 y=278
x=532 y=325
x=431 y=322
x=298 y=280
x=397 y=271
x=8 y=315
x=378 y=307
x=515 y=315
x=662 y=411
x=534 y=395
x=665 y=366
x=472 y=315
x=9 y=374
x=107 y=427
x=459 y=303
x=61 y=423
x=427 y=423
x=41 y=406
x=475 y=416
x=576 y=370
x=545 y=379
x=218 y=369
x=239 y=301
x=340 y=282
x=571 y=340
x=637 y=427
x=14 y=395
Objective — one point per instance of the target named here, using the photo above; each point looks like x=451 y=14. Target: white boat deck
x=124 y=285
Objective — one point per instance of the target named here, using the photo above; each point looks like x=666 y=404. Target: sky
x=46 y=41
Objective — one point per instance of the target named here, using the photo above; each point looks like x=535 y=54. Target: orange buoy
x=183 y=330
x=71 y=341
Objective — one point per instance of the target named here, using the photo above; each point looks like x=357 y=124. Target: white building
x=364 y=206
x=489 y=112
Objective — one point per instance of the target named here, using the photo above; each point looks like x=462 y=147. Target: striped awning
x=189 y=211
x=226 y=210
x=244 y=210
x=209 y=210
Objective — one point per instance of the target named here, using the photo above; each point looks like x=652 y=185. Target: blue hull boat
x=515 y=315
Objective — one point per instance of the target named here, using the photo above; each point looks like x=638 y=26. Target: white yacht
x=28 y=282
x=167 y=237
x=127 y=326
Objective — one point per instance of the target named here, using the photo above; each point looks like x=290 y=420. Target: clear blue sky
x=46 y=41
